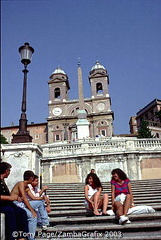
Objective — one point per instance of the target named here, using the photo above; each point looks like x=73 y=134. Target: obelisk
x=82 y=123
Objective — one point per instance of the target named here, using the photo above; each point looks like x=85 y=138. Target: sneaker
x=45 y=227
x=123 y=219
x=128 y=221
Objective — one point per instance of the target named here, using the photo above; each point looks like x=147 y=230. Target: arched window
x=57 y=92
x=103 y=133
x=75 y=111
x=99 y=89
x=57 y=137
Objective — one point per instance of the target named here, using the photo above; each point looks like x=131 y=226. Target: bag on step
x=135 y=210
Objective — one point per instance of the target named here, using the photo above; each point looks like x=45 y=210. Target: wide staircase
x=69 y=219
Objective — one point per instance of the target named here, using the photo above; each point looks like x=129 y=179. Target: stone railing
x=100 y=146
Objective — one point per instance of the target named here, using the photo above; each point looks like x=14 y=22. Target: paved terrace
x=69 y=220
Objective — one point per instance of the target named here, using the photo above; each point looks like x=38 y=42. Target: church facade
x=63 y=113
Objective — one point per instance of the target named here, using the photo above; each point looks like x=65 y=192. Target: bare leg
x=127 y=204
x=105 y=203
x=96 y=203
x=118 y=207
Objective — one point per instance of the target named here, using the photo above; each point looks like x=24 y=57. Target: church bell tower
x=102 y=115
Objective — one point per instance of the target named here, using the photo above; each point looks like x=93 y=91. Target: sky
x=123 y=35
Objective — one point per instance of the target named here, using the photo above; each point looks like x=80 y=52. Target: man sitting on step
x=34 y=193
x=30 y=207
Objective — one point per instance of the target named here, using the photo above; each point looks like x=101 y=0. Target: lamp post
x=23 y=135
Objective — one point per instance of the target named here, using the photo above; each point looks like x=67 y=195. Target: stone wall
x=71 y=162
x=151 y=167
x=22 y=157
x=139 y=158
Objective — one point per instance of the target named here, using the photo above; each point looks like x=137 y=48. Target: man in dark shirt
x=16 y=223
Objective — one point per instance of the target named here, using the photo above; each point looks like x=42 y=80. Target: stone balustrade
x=71 y=162
x=100 y=146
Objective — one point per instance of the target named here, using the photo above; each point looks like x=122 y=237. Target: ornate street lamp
x=23 y=135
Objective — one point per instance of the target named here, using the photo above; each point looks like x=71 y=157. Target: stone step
x=81 y=192
x=105 y=185
x=103 y=227
x=71 y=202
x=73 y=192
x=115 y=235
x=92 y=219
x=136 y=196
x=80 y=197
x=108 y=183
x=136 y=201
x=80 y=204
x=134 y=181
x=74 y=208
x=77 y=212
x=69 y=218
x=107 y=188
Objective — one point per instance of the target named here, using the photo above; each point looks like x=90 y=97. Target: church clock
x=57 y=111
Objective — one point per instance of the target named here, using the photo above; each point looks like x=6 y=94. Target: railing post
x=130 y=144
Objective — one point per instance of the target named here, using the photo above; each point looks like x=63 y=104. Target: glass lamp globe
x=26 y=52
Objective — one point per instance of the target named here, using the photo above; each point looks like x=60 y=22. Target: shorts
x=120 y=198
x=86 y=204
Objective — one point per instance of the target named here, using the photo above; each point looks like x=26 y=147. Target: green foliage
x=144 y=131
x=3 y=140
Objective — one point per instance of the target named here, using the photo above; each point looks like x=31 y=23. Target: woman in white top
x=93 y=198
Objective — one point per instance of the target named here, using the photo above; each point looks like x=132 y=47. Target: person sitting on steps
x=16 y=221
x=40 y=192
x=121 y=195
x=93 y=198
x=30 y=206
x=34 y=193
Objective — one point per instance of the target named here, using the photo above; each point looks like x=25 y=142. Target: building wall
x=98 y=120
x=65 y=172
x=37 y=131
x=148 y=113
x=7 y=132
x=151 y=167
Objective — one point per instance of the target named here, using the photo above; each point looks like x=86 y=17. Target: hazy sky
x=124 y=35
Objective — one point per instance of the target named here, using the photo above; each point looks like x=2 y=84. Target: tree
x=144 y=131
x=3 y=140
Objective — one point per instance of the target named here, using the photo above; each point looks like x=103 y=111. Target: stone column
x=132 y=166
x=47 y=173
